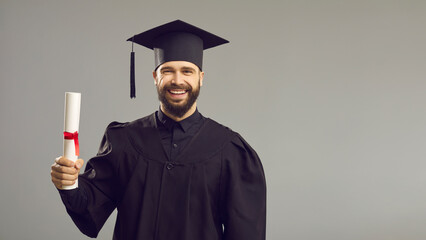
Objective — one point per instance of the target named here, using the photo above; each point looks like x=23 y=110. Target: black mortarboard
x=175 y=41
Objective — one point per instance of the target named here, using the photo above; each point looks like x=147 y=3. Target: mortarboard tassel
x=132 y=74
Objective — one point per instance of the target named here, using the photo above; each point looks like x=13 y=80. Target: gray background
x=331 y=94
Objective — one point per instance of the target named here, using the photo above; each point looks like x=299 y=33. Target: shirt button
x=175 y=145
x=170 y=166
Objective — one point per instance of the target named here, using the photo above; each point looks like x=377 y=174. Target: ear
x=154 y=75
x=201 y=78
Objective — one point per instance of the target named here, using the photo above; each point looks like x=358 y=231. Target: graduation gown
x=214 y=190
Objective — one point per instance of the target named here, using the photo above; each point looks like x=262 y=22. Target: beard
x=178 y=108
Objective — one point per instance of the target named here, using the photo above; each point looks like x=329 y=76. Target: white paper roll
x=71 y=124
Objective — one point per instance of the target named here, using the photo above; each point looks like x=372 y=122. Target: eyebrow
x=166 y=68
x=188 y=68
x=182 y=68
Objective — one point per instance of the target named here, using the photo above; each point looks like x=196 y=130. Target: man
x=173 y=175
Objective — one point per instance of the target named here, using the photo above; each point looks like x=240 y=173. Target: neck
x=176 y=118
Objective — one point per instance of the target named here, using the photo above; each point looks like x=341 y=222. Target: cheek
x=194 y=82
x=160 y=82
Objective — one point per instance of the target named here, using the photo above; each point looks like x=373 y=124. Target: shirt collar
x=185 y=124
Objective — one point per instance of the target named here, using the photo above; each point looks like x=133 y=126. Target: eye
x=166 y=71
x=187 y=72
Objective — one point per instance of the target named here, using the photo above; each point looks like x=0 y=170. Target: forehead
x=178 y=65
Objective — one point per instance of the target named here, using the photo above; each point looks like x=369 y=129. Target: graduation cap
x=174 y=41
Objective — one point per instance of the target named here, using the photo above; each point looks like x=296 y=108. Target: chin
x=178 y=103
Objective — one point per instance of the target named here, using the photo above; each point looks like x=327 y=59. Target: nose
x=178 y=78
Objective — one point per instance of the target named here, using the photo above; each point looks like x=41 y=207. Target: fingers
x=79 y=163
x=64 y=162
x=60 y=183
x=67 y=166
x=64 y=176
x=64 y=172
x=61 y=180
x=63 y=169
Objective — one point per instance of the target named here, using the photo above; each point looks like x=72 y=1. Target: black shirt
x=176 y=135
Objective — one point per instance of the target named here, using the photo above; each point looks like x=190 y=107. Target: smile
x=177 y=92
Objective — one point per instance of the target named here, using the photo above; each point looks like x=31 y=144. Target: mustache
x=176 y=86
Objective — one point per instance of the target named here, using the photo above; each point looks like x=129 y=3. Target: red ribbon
x=73 y=136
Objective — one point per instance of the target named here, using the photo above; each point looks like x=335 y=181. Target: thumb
x=79 y=163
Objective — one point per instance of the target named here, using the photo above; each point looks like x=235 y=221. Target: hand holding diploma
x=65 y=172
x=65 y=169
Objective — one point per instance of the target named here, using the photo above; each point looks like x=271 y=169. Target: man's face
x=178 y=86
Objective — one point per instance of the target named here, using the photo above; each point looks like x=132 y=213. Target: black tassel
x=132 y=75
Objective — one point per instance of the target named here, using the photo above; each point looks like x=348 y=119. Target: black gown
x=215 y=189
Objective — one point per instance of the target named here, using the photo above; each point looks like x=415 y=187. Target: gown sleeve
x=243 y=193
x=96 y=197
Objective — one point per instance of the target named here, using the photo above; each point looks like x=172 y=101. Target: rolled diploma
x=71 y=124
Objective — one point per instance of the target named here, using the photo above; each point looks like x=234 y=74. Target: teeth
x=177 y=91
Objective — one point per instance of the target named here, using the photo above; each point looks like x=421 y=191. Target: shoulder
x=120 y=133
x=128 y=129
x=144 y=122
x=233 y=135
x=238 y=156
x=220 y=129
x=234 y=141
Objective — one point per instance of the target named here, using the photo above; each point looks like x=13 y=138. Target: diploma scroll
x=71 y=124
